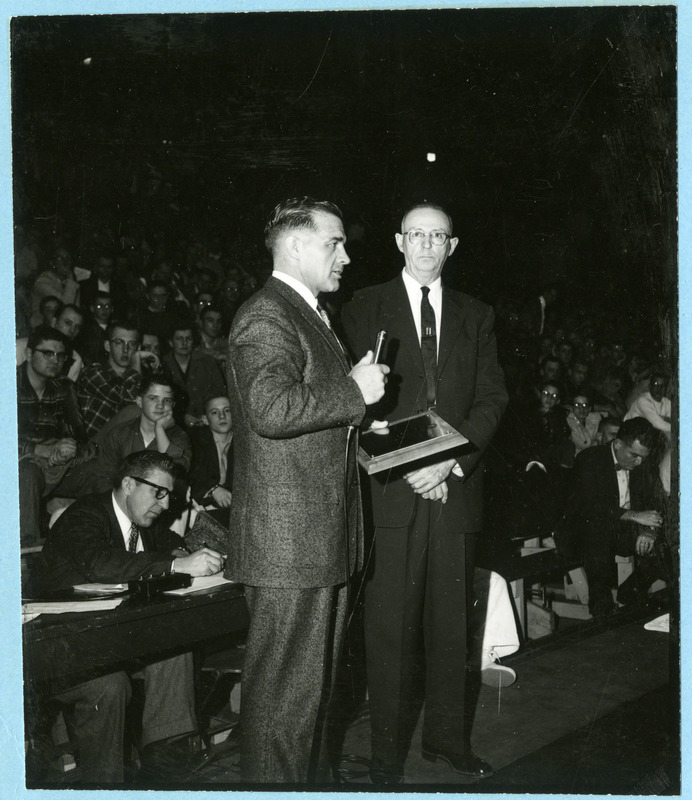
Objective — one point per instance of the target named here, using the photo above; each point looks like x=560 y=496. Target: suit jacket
x=204 y=470
x=86 y=546
x=295 y=480
x=593 y=504
x=471 y=393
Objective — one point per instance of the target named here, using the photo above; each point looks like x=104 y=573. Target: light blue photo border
x=11 y=713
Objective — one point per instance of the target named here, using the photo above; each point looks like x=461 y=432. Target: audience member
x=103 y=389
x=69 y=322
x=58 y=281
x=611 y=510
x=52 y=438
x=92 y=337
x=653 y=405
x=113 y=537
x=197 y=375
x=211 y=471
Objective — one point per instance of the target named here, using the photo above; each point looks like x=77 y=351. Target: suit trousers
x=96 y=718
x=415 y=635
x=291 y=655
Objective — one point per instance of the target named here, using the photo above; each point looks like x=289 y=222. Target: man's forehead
x=424 y=217
x=50 y=344
x=328 y=223
x=161 y=477
x=218 y=403
x=124 y=333
x=159 y=388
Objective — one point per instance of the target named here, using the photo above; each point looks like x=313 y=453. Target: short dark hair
x=294 y=214
x=214 y=397
x=142 y=463
x=50 y=298
x=70 y=307
x=427 y=204
x=154 y=379
x=208 y=309
x=45 y=333
x=120 y=323
x=582 y=393
x=609 y=420
x=637 y=429
x=182 y=324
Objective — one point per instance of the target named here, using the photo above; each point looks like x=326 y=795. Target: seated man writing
x=113 y=538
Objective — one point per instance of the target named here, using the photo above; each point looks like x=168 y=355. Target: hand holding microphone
x=369 y=375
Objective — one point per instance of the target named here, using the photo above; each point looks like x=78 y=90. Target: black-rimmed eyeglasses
x=161 y=491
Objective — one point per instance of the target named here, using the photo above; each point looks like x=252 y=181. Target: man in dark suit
x=442 y=354
x=211 y=471
x=612 y=510
x=113 y=538
x=296 y=527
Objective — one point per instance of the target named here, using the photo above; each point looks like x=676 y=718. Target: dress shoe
x=169 y=761
x=464 y=763
x=498 y=675
x=382 y=774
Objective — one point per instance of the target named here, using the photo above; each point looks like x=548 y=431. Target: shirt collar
x=413 y=288
x=299 y=287
x=123 y=520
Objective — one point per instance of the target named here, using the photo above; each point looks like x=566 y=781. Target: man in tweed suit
x=296 y=523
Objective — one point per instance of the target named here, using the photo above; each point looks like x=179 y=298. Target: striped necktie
x=134 y=538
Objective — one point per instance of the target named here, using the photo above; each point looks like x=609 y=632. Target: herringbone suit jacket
x=296 y=500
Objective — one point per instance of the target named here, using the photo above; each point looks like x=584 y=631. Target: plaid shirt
x=101 y=393
x=54 y=416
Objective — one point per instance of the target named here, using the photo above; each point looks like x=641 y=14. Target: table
x=64 y=649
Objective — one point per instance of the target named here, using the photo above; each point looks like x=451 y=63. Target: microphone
x=381 y=336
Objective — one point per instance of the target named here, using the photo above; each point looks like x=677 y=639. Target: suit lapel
x=397 y=320
x=450 y=328
x=311 y=317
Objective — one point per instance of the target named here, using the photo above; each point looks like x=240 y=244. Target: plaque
x=409 y=440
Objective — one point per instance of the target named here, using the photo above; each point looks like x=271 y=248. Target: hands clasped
x=371 y=378
x=431 y=482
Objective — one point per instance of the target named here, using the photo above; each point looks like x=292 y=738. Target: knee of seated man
x=111 y=689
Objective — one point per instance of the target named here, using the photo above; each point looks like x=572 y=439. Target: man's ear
x=452 y=245
x=127 y=484
x=107 y=346
x=399 y=237
x=293 y=246
x=138 y=400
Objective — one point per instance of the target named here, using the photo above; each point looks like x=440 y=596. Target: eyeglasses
x=59 y=357
x=546 y=393
x=161 y=491
x=125 y=345
x=581 y=405
x=103 y=305
x=438 y=238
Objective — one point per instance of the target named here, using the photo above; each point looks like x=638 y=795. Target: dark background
x=554 y=130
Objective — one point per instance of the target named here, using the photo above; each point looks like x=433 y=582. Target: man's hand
x=191 y=420
x=644 y=544
x=221 y=496
x=440 y=493
x=370 y=378
x=427 y=478
x=63 y=451
x=166 y=421
x=201 y=563
x=650 y=519
x=140 y=357
x=379 y=426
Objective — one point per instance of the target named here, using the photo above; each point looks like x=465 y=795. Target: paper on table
x=199 y=584
x=661 y=624
x=100 y=588
x=33 y=609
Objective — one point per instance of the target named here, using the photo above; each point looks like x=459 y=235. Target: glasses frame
x=409 y=233
x=161 y=492
x=53 y=355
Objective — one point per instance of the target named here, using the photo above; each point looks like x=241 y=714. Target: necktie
x=134 y=538
x=325 y=318
x=428 y=344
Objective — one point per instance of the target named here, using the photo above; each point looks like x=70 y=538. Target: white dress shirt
x=125 y=525
x=623 y=477
x=413 y=290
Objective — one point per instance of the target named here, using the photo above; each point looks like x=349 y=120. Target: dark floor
x=593 y=710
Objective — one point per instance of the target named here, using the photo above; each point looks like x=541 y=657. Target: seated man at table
x=113 y=538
